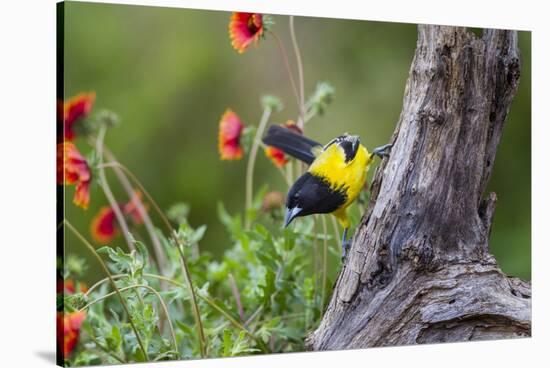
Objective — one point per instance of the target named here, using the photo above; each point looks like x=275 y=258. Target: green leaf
x=75 y=266
x=227 y=342
x=198 y=234
x=114 y=340
x=267 y=328
x=268 y=287
x=232 y=224
x=187 y=330
x=247 y=137
x=272 y=102
x=321 y=98
x=178 y=212
x=242 y=346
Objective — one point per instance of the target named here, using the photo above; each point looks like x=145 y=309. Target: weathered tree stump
x=419 y=270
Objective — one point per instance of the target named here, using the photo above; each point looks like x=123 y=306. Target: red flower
x=277 y=156
x=75 y=108
x=68 y=330
x=245 y=28
x=229 y=136
x=132 y=208
x=104 y=226
x=68 y=286
x=72 y=168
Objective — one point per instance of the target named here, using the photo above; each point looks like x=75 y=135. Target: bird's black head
x=312 y=194
x=295 y=202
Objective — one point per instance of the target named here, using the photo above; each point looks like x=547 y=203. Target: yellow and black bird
x=335 y=177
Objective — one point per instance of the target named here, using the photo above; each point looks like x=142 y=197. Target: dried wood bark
x=419 y=270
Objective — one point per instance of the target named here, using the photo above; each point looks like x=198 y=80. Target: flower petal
x=68 y=330
x=229 y=136
x=72 y=168
x=245 y=28
x=76 y=108
x=132 y=207
x=103 y=226
x=276 y=156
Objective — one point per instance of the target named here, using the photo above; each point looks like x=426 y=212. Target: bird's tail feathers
x=291 y=143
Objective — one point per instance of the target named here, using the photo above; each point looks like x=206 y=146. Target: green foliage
x=261 y=297
x=272 y=102
x=74 y=266
x=321 y=98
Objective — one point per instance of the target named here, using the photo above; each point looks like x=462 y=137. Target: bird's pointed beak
x=290 y=214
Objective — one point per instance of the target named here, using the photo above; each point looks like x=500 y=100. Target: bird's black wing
x=293 y=144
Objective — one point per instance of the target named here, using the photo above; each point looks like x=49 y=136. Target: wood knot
x=420 y=255
x=431 y=116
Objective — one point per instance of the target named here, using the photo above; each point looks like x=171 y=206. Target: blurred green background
x=170 y=74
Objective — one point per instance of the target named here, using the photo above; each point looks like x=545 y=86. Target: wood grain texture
x=419 y=270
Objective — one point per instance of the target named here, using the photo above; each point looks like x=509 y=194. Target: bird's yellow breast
x=341 y=175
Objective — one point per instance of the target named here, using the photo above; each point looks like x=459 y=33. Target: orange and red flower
x=72 y=168
x=132 y=208
x=245 y=28
x=74 y=109
x=104 y=226
x=276 y=155
x=229 y=136
x=68 y=286
x=68 y=330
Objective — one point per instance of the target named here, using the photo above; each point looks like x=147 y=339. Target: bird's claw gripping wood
x=346 y=245
x=383 y=151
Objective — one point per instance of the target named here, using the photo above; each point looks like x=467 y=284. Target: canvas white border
x=27 y=194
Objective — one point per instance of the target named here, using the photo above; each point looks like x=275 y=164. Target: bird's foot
x=383 y=151
x=346 y=245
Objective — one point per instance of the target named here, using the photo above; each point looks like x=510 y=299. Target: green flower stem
x=123 y=179
x=309 y=116
x=163 y=304
x=213 y=304
x=253 y=315
x=106 y=351
x=315 y=257
x=107 y=190
x=114 y=165
x=233 y=321
x=325 y=251
x=113 y=284
x=172 y=232
x=336 y=231
x=236 y=295
x=285 y=178
x=196 y=310
x=288 y=175
x=287 y=65
x=251 y=162
x=301 y=121
x=101 y=282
